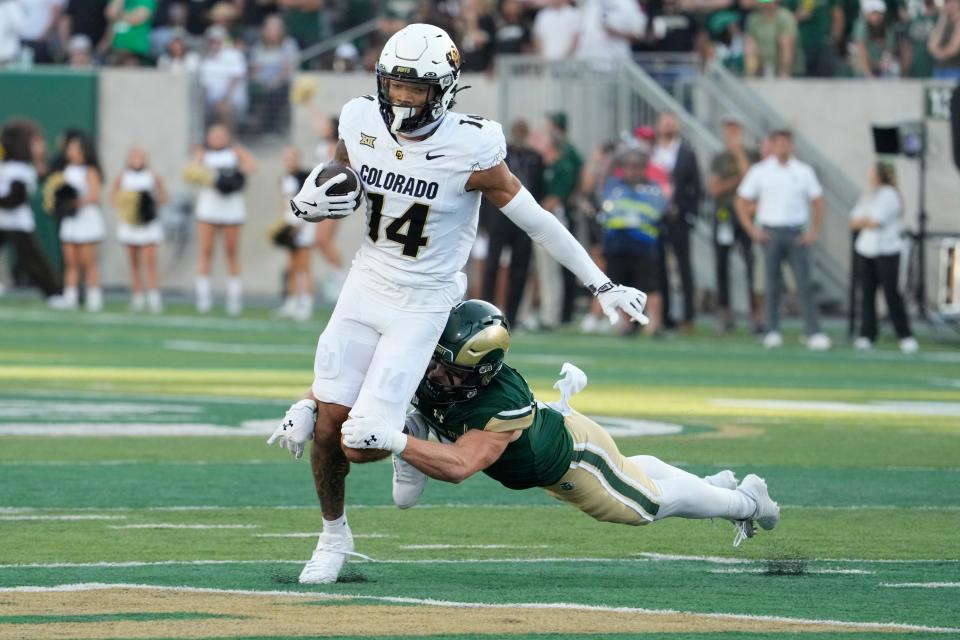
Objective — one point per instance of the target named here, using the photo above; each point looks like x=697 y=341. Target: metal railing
x=334 y=41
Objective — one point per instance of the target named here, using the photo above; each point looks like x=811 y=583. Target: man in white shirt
x=774 y=204
x=39 y=26
x=556 y=30
x=609 y=28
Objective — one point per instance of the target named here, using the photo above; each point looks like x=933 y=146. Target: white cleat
x=328 y=558
x=767 y=514
x=725 y=479
x=819 y=342
x=909 y=345
x=773 y=340
x=408 y=483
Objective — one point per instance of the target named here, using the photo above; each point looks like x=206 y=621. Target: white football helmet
x=422 y=54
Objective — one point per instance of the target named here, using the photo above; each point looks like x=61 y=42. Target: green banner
x=56 y=98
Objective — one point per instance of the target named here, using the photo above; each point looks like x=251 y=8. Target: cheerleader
x=137 y=194
x=298 y=237
x=219 y=169
x=21 y=154
x=81 y=225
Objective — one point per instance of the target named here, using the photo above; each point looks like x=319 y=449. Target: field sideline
x=138 y=498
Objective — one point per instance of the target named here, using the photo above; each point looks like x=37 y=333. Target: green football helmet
x=469 y=354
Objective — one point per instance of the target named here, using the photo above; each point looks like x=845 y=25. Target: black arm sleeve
x=15 y=197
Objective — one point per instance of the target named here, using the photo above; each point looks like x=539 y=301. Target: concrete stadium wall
x=837 y=116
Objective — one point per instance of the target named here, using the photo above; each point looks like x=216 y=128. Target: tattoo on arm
x=340 y=155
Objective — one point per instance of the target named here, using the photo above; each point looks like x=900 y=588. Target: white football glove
x=313 y=204
x=616 y=297
x=296 y=428
x=361 y=433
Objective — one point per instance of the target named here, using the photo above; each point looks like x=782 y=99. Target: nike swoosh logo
x=310 y=204
x=430 y=157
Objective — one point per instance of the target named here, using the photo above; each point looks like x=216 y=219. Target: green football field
x=138 y=498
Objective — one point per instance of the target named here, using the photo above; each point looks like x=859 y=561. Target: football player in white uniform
x=424 y=168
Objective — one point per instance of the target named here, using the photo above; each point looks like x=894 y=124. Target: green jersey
x=542 y=453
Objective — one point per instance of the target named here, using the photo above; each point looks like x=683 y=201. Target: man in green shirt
x=819 y=28
x=131 y=21
x=770 y=43
x=475 y=413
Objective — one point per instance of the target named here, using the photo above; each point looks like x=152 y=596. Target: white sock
x=154 y=301
x=204 y=294
x=687 y=496
x=70 y=295
x=94 y=299
x=234 y=296
x=657 y=469
x=304 y=307
x=335 y=526
x=137 y=301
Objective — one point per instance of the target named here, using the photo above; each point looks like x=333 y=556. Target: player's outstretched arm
x=505 y=191
x=474 y=451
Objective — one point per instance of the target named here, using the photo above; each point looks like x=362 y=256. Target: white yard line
x=237 y=347
x=168 y=525
x=921 y=585
x=314 y=534
x=474 y=546
x=949 y=409
x=85 y=516
x=669 y=557
x=805 y=571
x=839 y=624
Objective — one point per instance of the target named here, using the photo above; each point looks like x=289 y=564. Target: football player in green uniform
x=475 y=413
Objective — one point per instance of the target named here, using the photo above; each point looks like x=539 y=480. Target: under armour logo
x=568 y=486
x=369 y=441
x=288 y=425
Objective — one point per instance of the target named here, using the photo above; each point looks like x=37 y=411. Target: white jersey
x=137 y=180
x=421 y=221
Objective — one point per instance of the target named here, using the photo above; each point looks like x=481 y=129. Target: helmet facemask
x=405 y=119
x=448 y=383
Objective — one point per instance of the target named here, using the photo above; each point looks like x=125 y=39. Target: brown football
x=334 y=169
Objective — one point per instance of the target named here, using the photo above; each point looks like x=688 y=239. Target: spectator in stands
x=944 y=42
x=305 y=20
x=877 y=218
x=727 y=170
x=178 y=57
x=224 y=14
x=253 y=13
x=273 y=61
x=136 y=195
x=223 y=75
x=527 y=165
x=609 y=28
x=915 y=58
x=298 y=239
x=130 y=22
x=477 y=35
x=80 y=52
x=38 y=31
x=560 y=179
x=173 y=26
x=773 y=204
x=219 y=168
x=819 y=30
x=727 y=40
x=81 y=224
x=771 y=40
x=20 y=163
x=632 y=209
x=875 y=40
x=678 y=159
x=513 y=32
x=85 y=17
x=11 y=22
x=556 y=30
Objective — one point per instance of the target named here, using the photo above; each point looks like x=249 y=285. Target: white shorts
x=372 y=355
x=140 y=235
x=83 y=227
x=216 y=208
